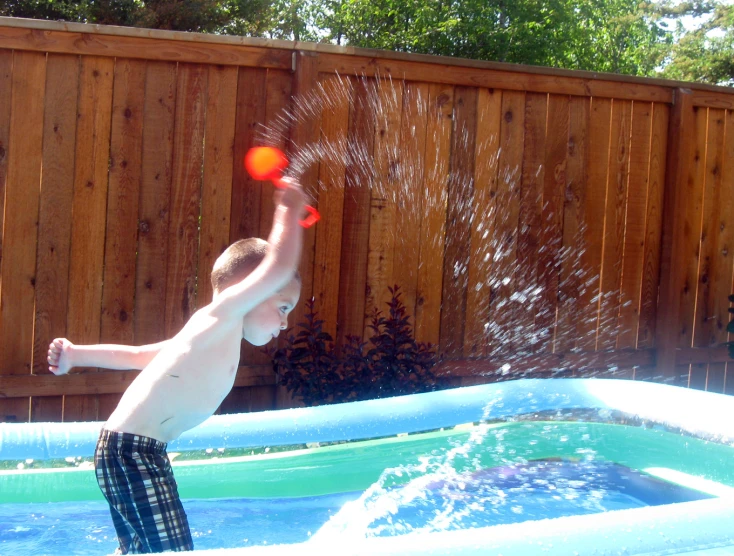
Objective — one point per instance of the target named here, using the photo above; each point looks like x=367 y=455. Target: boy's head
x=237 y=262
x=270 y=317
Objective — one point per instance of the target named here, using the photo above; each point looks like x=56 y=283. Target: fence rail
x=538 y=221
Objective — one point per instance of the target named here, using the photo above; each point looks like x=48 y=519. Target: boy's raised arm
x=279 y=265
x=63 y=356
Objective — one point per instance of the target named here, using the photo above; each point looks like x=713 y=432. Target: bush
x=392 y=363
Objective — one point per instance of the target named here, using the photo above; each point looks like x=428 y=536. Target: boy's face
x=265 y=321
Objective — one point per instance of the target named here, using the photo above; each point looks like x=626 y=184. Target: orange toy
x=268 y=163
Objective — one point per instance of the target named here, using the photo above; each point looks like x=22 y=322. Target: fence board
x=484 y=206
x=118 y=293
x=723 y=274
x=355 y=238
x=570 y=285
x=90 y=199
x=6 y=91
x=614 y=224
x=332 y=175
x=692 y=230
x=103 y=44
x=21 y=201
x=55 y=217
x=183 y=237
x=155 y=188
x=381 y=243
x=216 y=195
x=433 y=223
x=504 y=308
x=406 y=256
x=458 y=222
x=531 y=208
x=591 y=258
x=278 y=86
x=18 y=265
x=711 y=313
x=654 y=225
x=552 y=81
x=554 y=187
x=635 y=225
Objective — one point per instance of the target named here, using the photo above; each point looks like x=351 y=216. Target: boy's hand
x=59 y=356
x=291 y=196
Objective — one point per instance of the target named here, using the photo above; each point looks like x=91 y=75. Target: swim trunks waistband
x=128 y=442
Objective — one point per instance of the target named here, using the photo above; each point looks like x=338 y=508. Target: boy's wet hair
x=238 y=261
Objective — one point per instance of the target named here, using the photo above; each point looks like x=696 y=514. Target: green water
x=355 y=466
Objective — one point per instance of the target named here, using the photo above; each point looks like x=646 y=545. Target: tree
x=706 y=52
x=601 y=35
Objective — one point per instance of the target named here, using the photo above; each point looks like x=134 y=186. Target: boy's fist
x=59 y=355
x=291 y=196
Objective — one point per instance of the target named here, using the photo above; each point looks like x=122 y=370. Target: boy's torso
x=185 y=383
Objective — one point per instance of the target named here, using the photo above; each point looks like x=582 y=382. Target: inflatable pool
x=585 y=466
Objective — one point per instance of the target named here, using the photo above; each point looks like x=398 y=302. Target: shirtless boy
x=184 y=379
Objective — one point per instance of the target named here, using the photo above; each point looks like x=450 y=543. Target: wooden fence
x=538 y=221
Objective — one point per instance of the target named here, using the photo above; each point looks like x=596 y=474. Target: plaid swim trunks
x=136 y=478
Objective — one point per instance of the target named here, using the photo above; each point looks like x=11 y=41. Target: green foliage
x=706 y=53
x=395 y=364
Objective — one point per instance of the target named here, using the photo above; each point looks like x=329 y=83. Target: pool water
x=506 y=494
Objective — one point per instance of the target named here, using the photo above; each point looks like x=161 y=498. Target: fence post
x=681 y=141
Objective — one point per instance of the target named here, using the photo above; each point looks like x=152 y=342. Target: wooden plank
x=6 y=91
x=681 y=144
x=386 y=144
x=98 y=44
x=332 y=175
x=512 y=78
x=551 y=237
x=571 y=270
x=715 y=267
x=155 y=190
x=246 y=192
x=91 y=180
x=691 y=244
x=355 y=238
x=304 y=134
x=711 y=99
x=406 y=256
x=216 y=195
x=246 y=198
x=278 y=109
x=505 y=306
x=484 y=207
x=594 y=209
x=531 y=208
x=614 y=224
x=18 y=265
x=724 y=285
x=697 y=377
x=654 y=223
x=90 y=200
x=458 y=222
x=715 y=378
x=547 y=363
x=433 y=223
x=183 y=236
x=635 y=225
x=54 y=220
x=85 y=384
x=121 y=245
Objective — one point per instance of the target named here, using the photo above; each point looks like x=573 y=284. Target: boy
x=184 y=379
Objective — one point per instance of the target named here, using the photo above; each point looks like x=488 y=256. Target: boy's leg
x=135 y=476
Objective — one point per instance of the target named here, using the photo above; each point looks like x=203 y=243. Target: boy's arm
x=279 y=265
x=63 y=356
